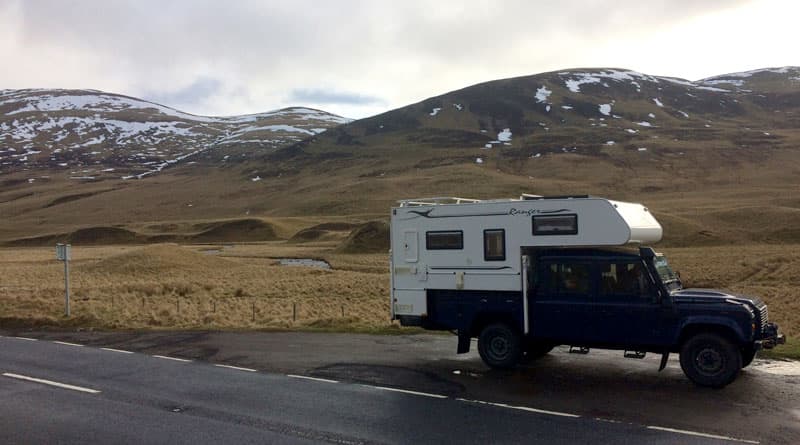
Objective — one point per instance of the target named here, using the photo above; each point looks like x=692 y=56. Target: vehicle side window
x=494 y=245
x=573 y=278
x=555 y=225
x=623 y=280
x=565 y=279
x=444 y=240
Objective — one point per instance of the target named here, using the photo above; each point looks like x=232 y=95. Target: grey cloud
x=195 y=93
x=322 y=96
x=251 y=55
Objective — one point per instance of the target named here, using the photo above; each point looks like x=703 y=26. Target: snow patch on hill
x=542 y=94
x=781 y=70
x=80 y=128
x=505 y=135
x=576 y=79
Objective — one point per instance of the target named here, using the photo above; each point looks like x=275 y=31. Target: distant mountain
x=717 y=160
x=594 y=112
x=92 y=134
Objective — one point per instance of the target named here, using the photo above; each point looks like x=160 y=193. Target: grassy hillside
x=715 y=159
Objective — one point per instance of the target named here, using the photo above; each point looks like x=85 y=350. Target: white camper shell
x=470 y=244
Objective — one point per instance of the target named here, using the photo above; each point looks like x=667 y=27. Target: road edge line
x=238 y=368
x=699 y=434
x=185 y=360
x=316 y=379
x=51 y=383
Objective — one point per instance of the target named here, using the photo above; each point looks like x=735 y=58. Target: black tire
x=500 y=346
x=710 y=360
x=536 y=350
x=748 y=354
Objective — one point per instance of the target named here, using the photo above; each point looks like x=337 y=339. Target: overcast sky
x=359 y=58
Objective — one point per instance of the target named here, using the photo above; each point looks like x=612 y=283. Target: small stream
x=307 y=262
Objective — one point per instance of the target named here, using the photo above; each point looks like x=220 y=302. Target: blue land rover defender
x=608 y=298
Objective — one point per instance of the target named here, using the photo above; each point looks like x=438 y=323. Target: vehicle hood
x=713 y=296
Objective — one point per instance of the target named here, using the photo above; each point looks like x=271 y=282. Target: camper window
x=555 y=225
x=444 y=240
x=494 y=245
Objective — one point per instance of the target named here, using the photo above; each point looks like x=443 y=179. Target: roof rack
x=435 y=201
x=440 y=200
x=526 y=197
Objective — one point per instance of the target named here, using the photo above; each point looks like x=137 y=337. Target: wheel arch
x=731 y=333
x=484 y=319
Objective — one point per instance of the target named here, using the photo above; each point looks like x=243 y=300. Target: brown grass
x=180 y=287
x=243 y=287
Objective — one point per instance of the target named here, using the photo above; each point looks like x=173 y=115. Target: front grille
x=764 y=318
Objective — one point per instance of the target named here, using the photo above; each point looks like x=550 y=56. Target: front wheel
x=711 y=360
x=499 y=346
x=748 y=354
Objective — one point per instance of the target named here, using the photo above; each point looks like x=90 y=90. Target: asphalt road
x=148 y=397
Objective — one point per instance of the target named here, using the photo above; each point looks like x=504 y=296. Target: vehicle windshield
x=668 y=277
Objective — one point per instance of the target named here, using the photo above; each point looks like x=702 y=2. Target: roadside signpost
x=64 y=253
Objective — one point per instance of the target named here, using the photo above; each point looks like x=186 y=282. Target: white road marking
x=237 y=368
x=51 y=383
x=172 y=358
x=67 y=343
x=600 y=419
x=316 y=379
x=26 y=338
x=521 y=408
x=406 y=391
x=117 y=350
x=695 y=433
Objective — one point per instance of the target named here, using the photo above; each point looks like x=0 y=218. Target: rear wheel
x=711 y=360
x=500 y=346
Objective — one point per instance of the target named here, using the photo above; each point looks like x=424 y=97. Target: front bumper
x=771 y=337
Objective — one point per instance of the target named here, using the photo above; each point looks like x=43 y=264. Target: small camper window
x=444 y=240
x=494 y=245
x=555 y=225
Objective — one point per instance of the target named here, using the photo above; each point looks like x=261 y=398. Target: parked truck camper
x=524 y=275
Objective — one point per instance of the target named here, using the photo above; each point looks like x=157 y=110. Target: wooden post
x=294 y=311
x=254 y=310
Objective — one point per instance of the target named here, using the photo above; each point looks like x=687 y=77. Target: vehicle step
x=635 y=354
x=578 y=350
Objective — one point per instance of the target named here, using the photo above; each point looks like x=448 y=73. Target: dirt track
x=763 y=404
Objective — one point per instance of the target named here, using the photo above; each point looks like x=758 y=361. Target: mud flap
x=463 y=343
x=664 y=358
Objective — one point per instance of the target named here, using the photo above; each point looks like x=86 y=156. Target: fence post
x=63 y=254
x=178 y=304
x=215 y=306
x=342 y=311
x=254 y=310
x=294 y=311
